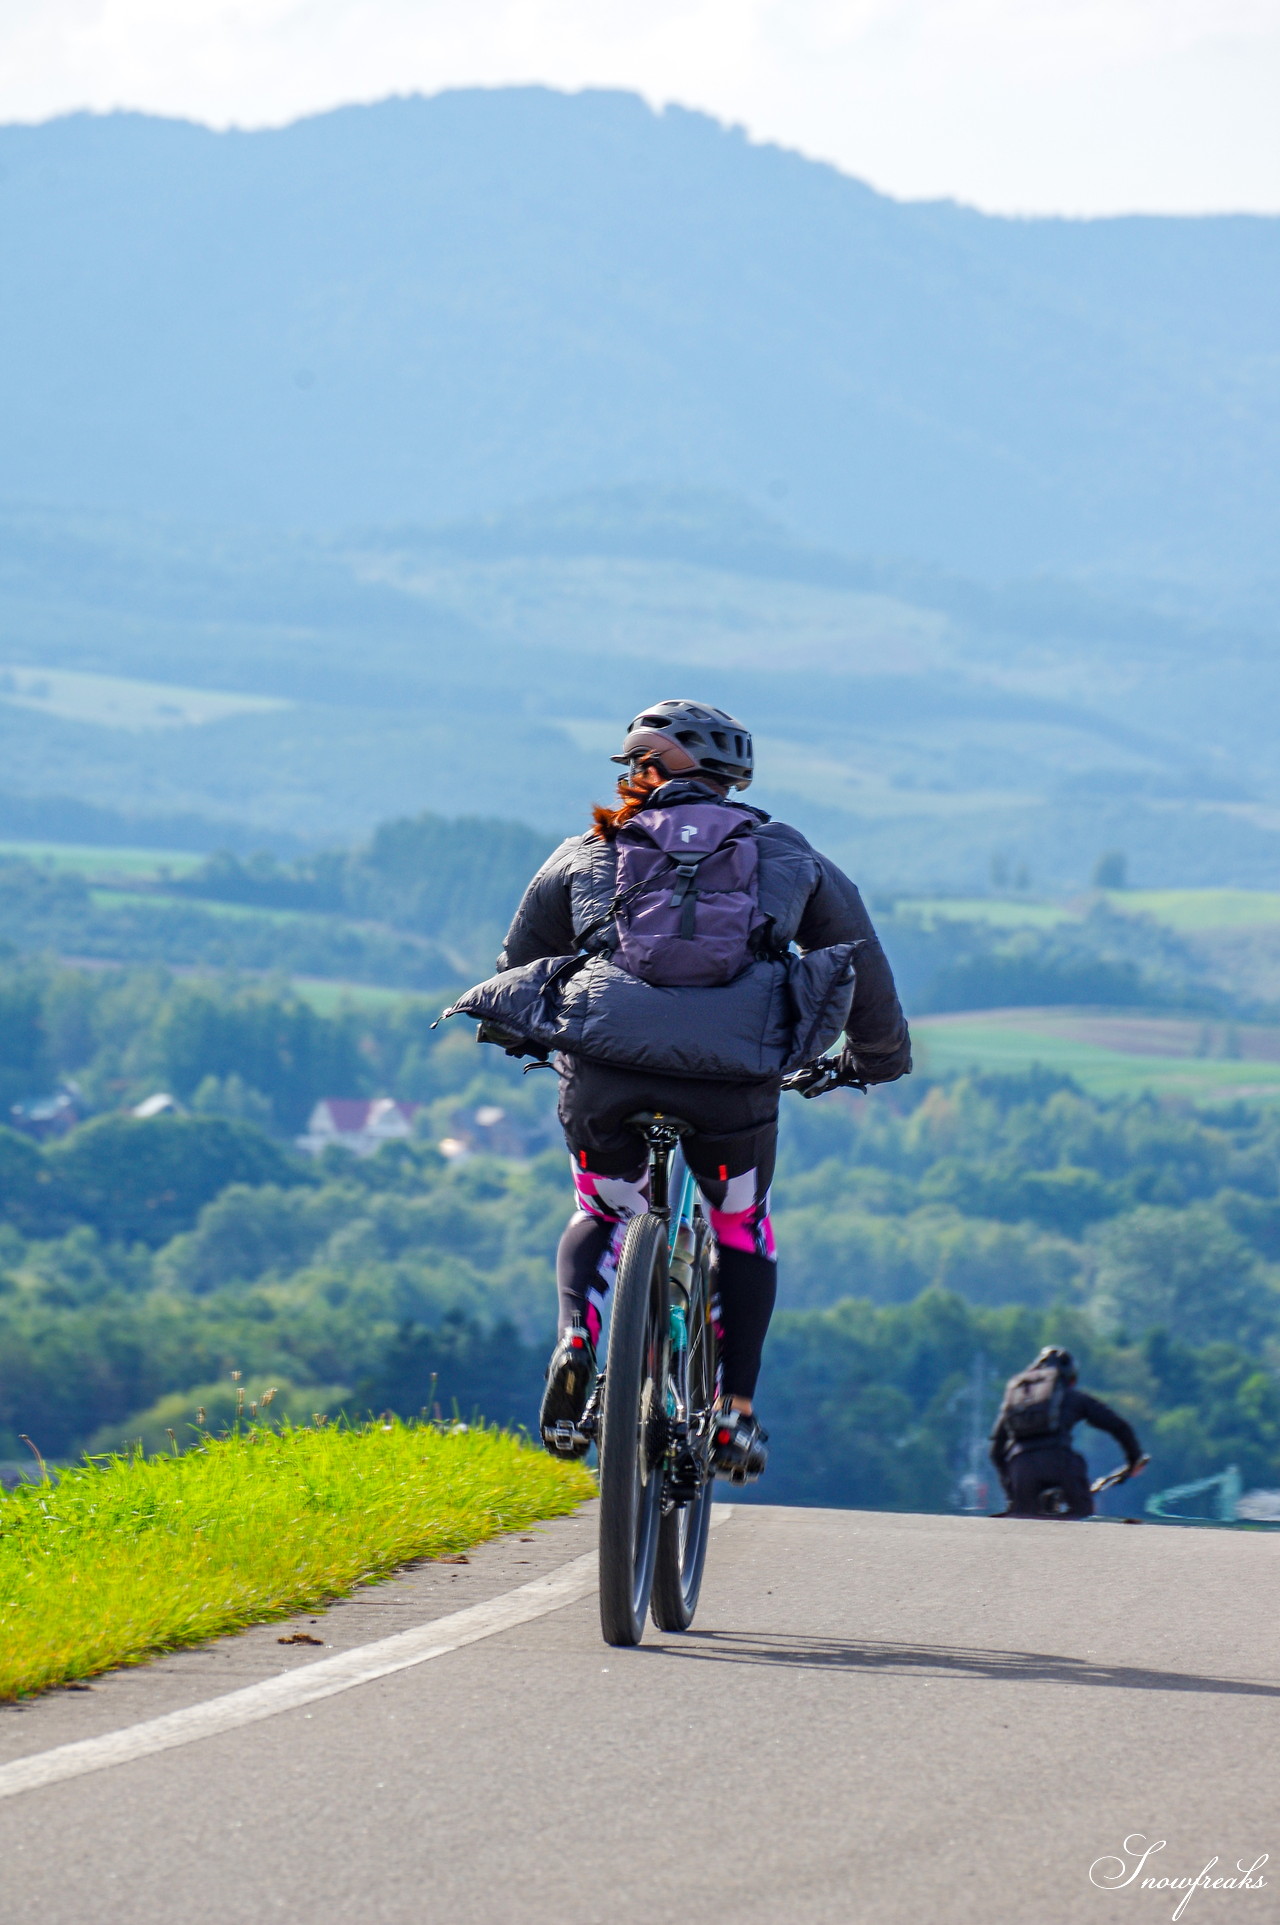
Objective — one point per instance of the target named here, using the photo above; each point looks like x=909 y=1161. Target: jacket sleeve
x=1000 y=1444
x=1093 y=1411
x=543 y=924
x=877 y=1033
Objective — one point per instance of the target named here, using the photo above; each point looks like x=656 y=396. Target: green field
x=1199 y=911
x=1013 y=1040
x=87 y=860
x=105 y=897
x=1189 y=911
x=330 y=998
x=999 y=911
x=124 y=702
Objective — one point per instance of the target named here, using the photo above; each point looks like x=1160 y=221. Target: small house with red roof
x=357 y=1124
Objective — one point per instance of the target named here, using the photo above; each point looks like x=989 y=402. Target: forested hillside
x=424 y=904
x=360 y=479
x=926 y=1231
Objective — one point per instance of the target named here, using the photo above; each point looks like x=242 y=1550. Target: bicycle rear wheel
x=633 y=1432
x=682 y=1540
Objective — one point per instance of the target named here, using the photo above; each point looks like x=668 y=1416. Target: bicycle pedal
x=738 y=1476
x=566 y=1438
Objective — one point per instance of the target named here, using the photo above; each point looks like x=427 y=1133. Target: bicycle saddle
x=654 y=1123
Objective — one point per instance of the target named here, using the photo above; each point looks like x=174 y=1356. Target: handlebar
x=823 y=1074
x=1121 y=1476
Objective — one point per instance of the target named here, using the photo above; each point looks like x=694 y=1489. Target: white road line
x=324 y=1679
x=289 y=1689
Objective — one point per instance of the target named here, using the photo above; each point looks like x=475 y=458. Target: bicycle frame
x=686 y=1472
x=685 y=1469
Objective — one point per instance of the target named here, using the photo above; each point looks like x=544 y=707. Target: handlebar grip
x=816 y=1078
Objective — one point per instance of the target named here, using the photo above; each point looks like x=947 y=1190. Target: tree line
x=931 y=1231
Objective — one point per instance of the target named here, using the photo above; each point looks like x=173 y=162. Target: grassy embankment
x=123 y=1558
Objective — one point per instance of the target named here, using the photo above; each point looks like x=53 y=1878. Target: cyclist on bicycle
x=1031 y=1445
x=625 y=1047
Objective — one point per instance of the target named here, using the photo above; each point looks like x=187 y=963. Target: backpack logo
x=687 y=919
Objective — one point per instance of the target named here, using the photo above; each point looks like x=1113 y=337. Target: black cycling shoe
x=569 y=1374
x=738 y=1446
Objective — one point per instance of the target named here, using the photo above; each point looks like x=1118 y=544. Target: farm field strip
x=97 y=862
x=126 y=702
x=1200 y=911
x=996 y=912
x=1109 y=1055
x=106 y=897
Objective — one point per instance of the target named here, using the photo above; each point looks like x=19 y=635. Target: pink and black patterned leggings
x=611 y=1178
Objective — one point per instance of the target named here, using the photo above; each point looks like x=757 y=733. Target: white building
x=357 y=1125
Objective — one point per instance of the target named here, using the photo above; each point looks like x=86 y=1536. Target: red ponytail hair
x=636 y=792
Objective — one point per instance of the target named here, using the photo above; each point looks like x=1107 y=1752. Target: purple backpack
x=687 y=902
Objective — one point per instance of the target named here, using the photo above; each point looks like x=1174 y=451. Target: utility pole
x=974 y=1484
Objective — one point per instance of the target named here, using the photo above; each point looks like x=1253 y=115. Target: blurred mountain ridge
x=464 y=427
x=441 y=307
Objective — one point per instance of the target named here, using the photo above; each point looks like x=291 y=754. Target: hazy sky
x=1076 y=106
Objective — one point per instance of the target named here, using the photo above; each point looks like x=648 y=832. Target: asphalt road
x=876 y=1718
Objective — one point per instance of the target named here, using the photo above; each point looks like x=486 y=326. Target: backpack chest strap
x=684 y=896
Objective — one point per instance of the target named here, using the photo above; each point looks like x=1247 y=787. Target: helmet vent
x=713 y=740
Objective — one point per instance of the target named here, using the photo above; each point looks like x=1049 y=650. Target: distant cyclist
x=714 y=935
x=1031 y=1444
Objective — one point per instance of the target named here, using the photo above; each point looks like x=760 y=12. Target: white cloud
x=1070 y=105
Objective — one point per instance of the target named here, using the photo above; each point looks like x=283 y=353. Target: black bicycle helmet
x=1060 y=1359
x=685 y=738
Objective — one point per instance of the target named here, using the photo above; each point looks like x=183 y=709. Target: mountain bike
x=1054 y=1502
x=652 y=1411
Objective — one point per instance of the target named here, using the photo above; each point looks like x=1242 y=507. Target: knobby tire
x=633 y=1432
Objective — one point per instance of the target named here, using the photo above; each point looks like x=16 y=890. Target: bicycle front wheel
x=682 y=1539
x=633 y=1432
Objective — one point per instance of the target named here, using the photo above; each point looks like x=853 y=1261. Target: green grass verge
x=123 y=1558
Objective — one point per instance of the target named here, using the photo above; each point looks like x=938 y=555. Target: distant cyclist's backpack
x=1033 y=1404
x=687 y=901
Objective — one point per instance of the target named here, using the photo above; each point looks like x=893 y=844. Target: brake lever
x=815 y=1079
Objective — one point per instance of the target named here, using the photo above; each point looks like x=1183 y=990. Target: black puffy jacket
x=734 y=1031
